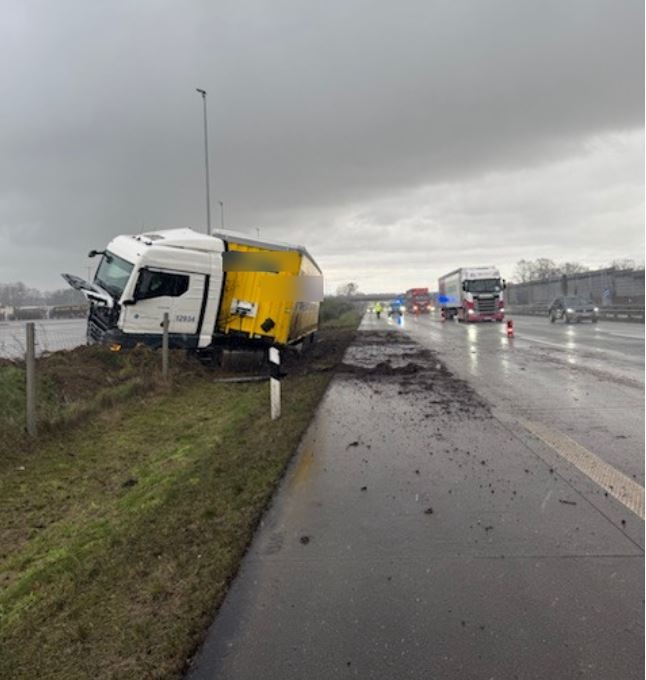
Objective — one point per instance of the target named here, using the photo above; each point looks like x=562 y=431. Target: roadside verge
x=120 y=533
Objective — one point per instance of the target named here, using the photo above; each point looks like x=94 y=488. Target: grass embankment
x=119 y=533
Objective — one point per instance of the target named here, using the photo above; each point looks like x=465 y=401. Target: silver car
x=571 y=308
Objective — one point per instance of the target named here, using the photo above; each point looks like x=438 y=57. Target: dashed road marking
x=616 y=483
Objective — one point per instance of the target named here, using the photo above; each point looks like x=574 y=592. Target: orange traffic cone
x=510 y=328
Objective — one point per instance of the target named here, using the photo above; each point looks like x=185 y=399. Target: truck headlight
x=470 y=311
x=402 y=308
x=569 y=310
x=596 y=309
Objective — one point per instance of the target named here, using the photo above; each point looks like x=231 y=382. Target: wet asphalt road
x=446 y=539
x=585 y=380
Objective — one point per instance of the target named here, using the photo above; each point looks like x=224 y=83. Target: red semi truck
x=418 y=301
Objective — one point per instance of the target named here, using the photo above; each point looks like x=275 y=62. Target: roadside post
x=165 y=347
x=30 y=366
x=274 y=382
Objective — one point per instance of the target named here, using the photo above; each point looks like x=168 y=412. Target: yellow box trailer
x=271 y=290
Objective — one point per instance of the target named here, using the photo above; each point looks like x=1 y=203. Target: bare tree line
x=20 y=295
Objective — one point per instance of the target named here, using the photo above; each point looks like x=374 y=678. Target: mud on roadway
x=414 y=369
x=417 y=536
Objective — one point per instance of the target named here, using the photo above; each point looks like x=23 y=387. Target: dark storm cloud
x=320 y=113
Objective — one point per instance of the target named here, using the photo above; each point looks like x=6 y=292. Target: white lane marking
x=616 y=483
x=574 y=351
x=604 y=331
x=531 y=338
x=597 y=330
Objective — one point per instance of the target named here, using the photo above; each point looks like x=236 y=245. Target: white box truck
x=472 y=294
x=223 y=289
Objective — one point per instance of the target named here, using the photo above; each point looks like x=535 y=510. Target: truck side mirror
x=464 y=286
x=504 y=284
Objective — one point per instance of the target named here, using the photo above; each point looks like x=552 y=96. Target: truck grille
x=486 y=306
x=99 y=321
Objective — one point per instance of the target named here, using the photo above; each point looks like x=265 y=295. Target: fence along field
x=52 y=335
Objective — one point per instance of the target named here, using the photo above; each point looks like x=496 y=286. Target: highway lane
x=422 y=532
x=585 y=381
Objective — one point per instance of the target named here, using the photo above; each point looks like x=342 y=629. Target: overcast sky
x=396 y=140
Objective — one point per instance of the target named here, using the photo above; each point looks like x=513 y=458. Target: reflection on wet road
x=454 y=527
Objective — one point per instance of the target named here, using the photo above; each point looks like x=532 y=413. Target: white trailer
x=472 y=294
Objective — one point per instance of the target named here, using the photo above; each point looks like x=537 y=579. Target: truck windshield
x=113 y=274
x=483 y=286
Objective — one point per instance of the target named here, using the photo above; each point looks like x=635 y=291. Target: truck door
x=162 y=290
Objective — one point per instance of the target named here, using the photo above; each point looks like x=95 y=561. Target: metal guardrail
x=608 y=313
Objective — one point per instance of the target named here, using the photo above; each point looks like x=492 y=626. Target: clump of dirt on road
x=382 y=369
x=415 y=370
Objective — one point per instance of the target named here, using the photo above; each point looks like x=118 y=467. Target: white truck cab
x=141 y=277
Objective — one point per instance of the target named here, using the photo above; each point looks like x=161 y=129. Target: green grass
x=74 y=384
x=119 y=534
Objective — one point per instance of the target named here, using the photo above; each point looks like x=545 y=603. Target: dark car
x=572 y=308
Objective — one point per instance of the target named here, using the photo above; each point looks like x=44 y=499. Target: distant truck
x=226 y=289
x=418 y=301
x=472 y=294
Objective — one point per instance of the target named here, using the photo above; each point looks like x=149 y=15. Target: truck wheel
x=552 y=317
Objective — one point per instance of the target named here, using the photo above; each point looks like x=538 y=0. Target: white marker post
x=165 y=347
x=274 y=382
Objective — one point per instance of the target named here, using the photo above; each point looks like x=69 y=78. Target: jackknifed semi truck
x=220 y=290
x=472 y=294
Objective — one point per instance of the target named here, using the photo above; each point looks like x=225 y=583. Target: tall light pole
x=206 y=164
x=221 y=214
